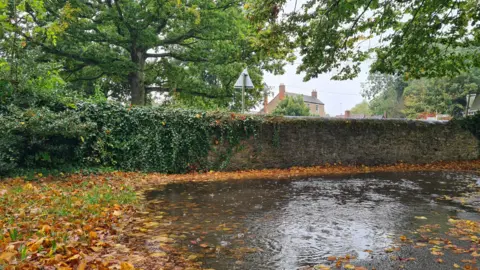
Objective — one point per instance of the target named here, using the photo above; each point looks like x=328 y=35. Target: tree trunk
x=136 y=78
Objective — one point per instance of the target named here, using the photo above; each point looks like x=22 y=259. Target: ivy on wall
x=112 y=135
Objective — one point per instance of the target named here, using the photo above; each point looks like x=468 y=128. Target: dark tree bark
x=136 y=78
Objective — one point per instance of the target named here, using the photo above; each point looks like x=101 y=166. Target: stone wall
x=288 y=142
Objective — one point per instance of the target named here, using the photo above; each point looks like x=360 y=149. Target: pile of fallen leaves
x=63 y=224
x=304 y=172
x=80 y=222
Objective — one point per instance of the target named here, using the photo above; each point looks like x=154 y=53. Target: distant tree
x=361 y=108
x=398 y=97
x=385 y=93
x=293 y=106
x=440 y=95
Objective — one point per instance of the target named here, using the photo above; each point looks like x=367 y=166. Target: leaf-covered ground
x=91 y=221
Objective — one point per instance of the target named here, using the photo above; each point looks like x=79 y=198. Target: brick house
x=313 y=103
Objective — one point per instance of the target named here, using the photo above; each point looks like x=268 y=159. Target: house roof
x=306 y=98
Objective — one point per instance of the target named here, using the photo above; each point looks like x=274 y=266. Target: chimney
x=265 y=104
x=314 y=93
x=347 y=114
x=281 y=93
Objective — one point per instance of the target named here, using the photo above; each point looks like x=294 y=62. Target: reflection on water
x=297 y=223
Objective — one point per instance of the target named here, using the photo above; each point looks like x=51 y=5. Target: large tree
x=415 y=38
x=120 y=41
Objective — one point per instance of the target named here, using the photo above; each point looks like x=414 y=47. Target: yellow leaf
x=420 y=217
x=163 y=239
x=74 y=258
x=96 y=249
x=82 y=265
x=349 y=266
x=456 y=265
x=126 y=266
x=92 y=235
x=158 y=254
x=434 y=242
x=151 y=224
x=7 y=256
x=28 y=186
x=46 y=229
x=192 y=257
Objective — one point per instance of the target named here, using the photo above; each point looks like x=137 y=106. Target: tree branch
x=198 y=94
x=72 y=71
x=120 y=14
x=180 y=38
x=176 y=56
x=157 y=55
x=357 y=20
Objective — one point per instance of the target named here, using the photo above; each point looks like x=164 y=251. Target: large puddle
x=290 y=224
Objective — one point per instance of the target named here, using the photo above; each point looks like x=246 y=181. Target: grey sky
x=338 y=96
